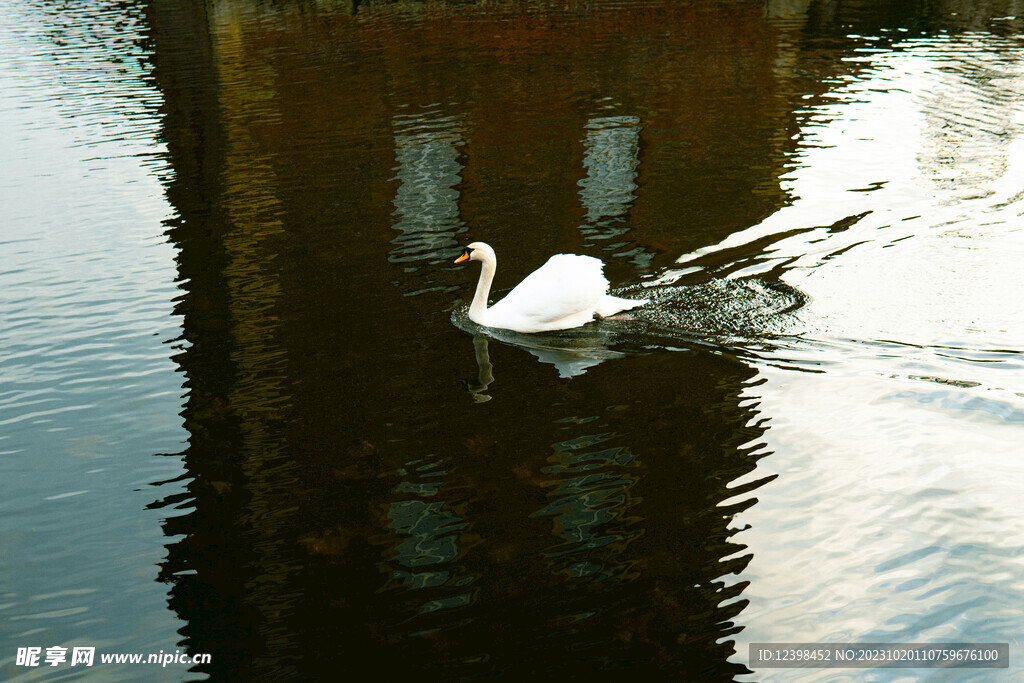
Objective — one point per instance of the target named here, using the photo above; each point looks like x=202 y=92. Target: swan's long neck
x=478 y=309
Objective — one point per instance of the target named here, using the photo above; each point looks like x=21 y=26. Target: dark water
x=243 y=412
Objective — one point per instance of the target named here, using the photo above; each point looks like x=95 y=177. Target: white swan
x=567 y=291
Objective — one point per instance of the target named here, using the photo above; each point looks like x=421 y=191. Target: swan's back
x=565 y=292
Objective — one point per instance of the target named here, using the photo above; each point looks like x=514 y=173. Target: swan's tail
x=610 y=305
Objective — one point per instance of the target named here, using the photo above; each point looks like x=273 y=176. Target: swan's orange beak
x=464 y=256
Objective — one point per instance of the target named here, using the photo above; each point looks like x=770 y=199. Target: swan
x=567 y=291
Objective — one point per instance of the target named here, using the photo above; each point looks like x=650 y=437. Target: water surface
x=244 y=412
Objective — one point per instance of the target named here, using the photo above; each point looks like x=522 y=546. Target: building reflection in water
x=427 y=149
x=430 y=536
x=589 y=502
x=611 y=158
x=349 y=506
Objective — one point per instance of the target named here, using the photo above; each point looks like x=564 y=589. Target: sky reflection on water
x=920 y=348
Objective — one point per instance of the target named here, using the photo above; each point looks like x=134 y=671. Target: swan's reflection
x=573 y=362
x=484 y=375
x=572 y=355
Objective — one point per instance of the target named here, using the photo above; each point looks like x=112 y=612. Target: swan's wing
x=567 y=286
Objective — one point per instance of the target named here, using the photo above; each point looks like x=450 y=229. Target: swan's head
x=476 y=251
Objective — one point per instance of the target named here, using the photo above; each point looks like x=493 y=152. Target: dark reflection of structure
x=637 y=592
x=228 y=230
x=349 y=509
